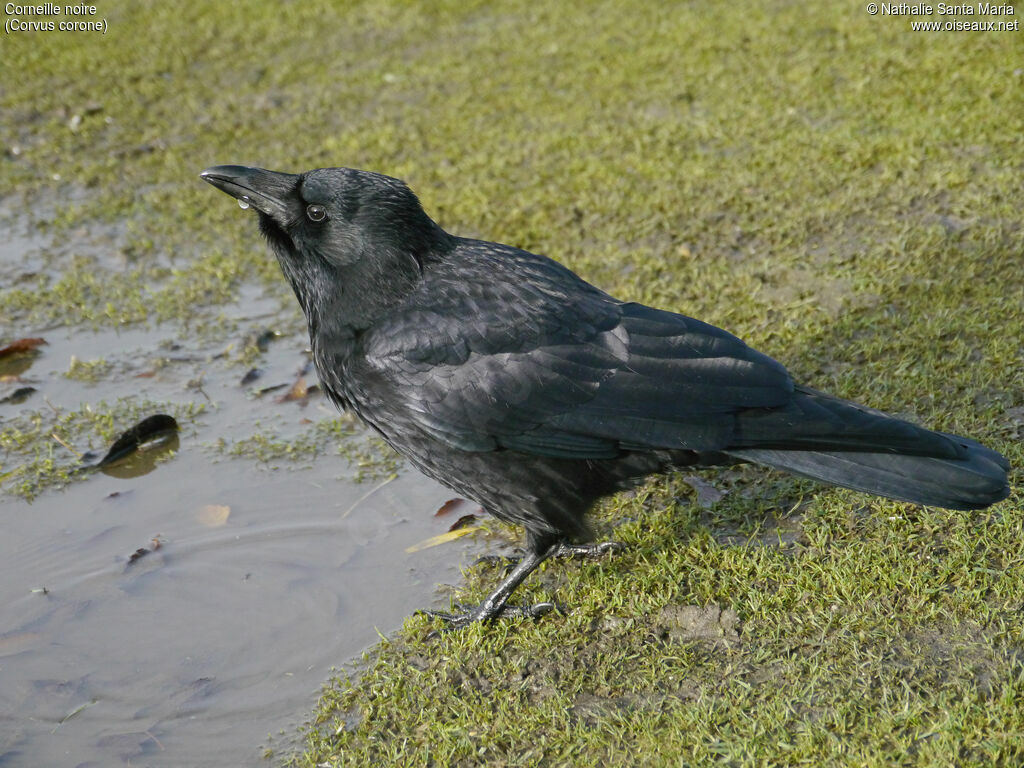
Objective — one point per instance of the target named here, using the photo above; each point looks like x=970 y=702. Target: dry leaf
x=298 y=391
x=462 y=522
x=450 y=506
x=140 y=552
x=21 y=345
x=442 y=538
x=213 y=515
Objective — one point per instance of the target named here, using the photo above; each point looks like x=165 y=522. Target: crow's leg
x=495 y=604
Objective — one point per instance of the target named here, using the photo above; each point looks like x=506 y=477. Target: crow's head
x=348 y=241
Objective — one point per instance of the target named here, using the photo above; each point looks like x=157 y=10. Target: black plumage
x=509 y=379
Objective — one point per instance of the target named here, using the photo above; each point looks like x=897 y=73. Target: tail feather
x=866 y=450
x=973 y=482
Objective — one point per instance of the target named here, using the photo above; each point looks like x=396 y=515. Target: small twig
x=154 y=738
x=365 y=496
x=73 y=712
x=57 y=437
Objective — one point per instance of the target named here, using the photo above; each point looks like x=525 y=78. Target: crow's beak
x=266 y=191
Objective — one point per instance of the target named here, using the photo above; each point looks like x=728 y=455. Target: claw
x=466 y=615
x=495 y=606
x=589 y=550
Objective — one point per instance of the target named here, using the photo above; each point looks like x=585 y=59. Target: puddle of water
x=219 y=637
x=195 y=652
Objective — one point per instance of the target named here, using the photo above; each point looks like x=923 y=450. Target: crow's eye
x=316 y=212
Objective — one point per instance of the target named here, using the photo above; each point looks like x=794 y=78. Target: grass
x=842 y=193
x=48 y=444
x=371 y=458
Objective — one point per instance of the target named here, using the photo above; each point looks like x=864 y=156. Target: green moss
x=44 y=448
x=370 y=457
x=89 y=371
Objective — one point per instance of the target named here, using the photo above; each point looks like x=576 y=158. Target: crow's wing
x=539 y=361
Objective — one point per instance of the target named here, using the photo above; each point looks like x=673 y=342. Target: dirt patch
x=708 y=626
x=950 y=655
x=594 y=711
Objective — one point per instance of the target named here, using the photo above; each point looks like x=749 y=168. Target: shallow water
x=195 y=652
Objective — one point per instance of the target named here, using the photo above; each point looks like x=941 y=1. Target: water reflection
x=192 y=653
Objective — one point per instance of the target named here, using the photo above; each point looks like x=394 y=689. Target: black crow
x=507 y=378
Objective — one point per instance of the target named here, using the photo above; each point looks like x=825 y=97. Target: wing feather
x=515 y=360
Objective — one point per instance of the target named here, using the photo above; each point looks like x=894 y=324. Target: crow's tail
x=835 y=441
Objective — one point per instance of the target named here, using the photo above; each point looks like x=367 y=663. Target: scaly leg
x=495 y=606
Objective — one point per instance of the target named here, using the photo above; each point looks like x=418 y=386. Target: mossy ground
x=841 y=192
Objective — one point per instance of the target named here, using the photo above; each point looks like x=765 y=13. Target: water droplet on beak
x=243 y=203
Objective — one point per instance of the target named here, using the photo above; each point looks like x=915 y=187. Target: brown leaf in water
x=462 y=522
x=155 y=543
x=297 y=392
x=450 y=506
x=21 y=345
x=213 y=515
x=138 y=553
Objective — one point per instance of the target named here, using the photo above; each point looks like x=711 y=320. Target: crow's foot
x=588 y=550
x=466 y=615
x=496 y=607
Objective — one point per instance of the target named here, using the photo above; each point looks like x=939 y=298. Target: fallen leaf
x=271 y=388
x=156 y=542
x=297 y=392
x=140 y=552
x=442 y=538
x=20 y=395
x=74 y=712
x=150 y=430
x=450 y=506
x=462 y=522
x=213 y=515
x=21 y=345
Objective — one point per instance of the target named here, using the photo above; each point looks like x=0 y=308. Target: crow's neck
x=342 y=300
x=366 y=291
